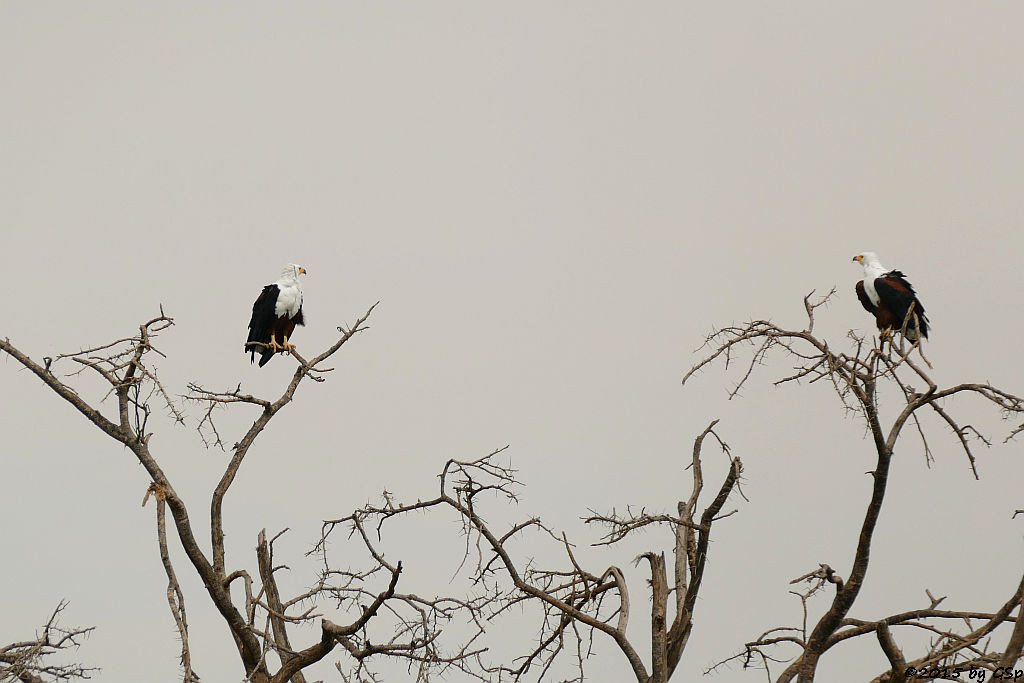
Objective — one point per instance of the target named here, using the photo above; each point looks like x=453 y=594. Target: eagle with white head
x=275 y=314
x=890 y=298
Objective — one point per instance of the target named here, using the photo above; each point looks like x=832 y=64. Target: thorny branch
x=857 y=378
x=29 y=660
x=175 y=596
x=407 y=626
x=259 y=622
x=571 y=598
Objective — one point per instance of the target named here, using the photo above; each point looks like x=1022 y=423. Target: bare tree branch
x=29 y=660
x=856 y=378
x=124 y=366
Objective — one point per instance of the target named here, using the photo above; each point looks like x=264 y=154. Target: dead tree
x=961 y=639
x=375 y=619
x=575 y=603
x=30 y=661
x=572 y=599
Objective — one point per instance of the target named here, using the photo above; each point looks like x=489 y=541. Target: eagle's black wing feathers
x=261 y=326
x=896 y=294
x=863 y=296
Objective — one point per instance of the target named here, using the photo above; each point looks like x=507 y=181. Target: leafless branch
x=570 y=598
x=175 y=597
x=857 y=377
x=259 y=622
x=29 y=660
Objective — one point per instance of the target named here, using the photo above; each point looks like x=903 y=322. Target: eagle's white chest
x=289 y=300
x=869 y=289
x=872 y=273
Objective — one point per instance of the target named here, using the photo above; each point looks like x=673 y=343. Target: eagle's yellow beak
x=303 y=270
x=858 y=257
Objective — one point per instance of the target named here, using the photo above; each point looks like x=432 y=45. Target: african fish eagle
x=888 y=296
x=275 y=314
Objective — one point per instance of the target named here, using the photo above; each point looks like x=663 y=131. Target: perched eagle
x=275 y=314
x=887 y=294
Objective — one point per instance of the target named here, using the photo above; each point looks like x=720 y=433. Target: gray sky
x=554 y=203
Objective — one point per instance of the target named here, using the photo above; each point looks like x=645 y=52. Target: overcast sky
x=554 y=204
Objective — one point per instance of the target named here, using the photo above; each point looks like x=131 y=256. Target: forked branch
x=31 y=660
x=857 y=378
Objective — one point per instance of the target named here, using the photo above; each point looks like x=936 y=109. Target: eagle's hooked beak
x=303 y=270
x=858 y=257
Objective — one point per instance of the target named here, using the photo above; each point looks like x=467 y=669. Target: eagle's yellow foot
x=287 y=348
x=884 y=334
x=274 y=346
